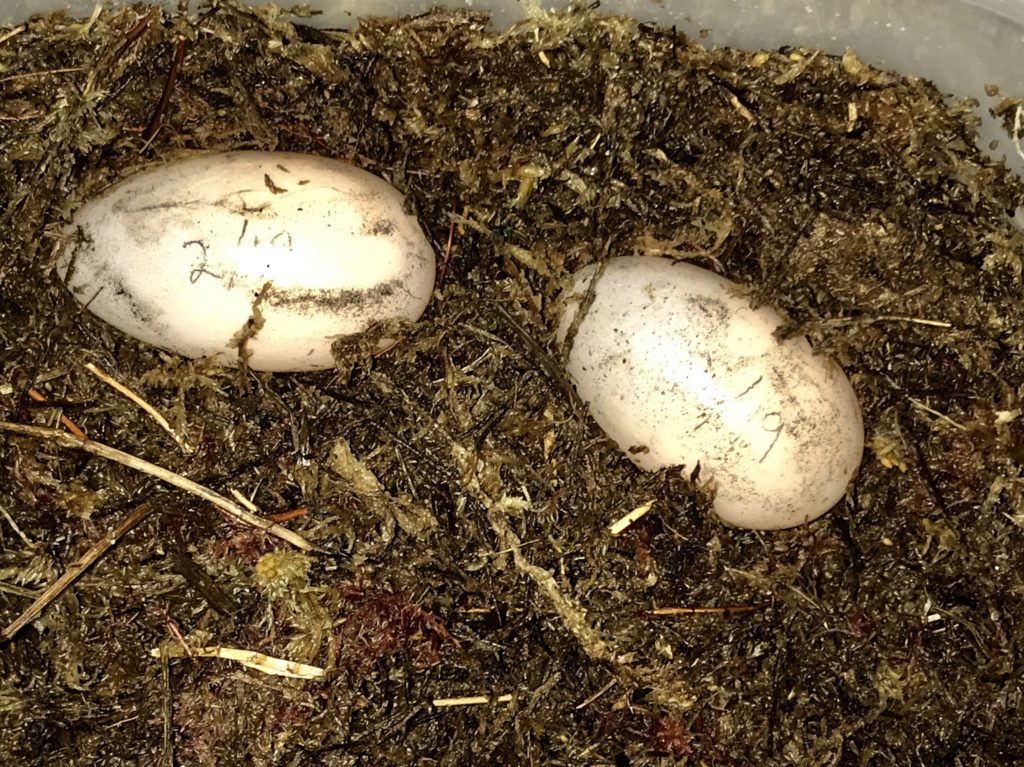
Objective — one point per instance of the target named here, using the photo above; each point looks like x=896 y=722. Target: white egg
x=679 y=370
x=286 y=251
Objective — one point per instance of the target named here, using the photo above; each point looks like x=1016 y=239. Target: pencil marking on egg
x=772 y=422
x=200 y=267
x=285 y=237
x=674 y=358
x=327 y=257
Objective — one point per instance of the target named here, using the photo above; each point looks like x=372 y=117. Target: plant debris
x=459 y=499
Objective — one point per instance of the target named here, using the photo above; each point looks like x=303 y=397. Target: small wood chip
x=619 y=526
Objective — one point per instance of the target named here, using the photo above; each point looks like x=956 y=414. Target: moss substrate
x=461 y=494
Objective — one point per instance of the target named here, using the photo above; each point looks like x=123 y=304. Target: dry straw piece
x=248 y=658
x=165 y=475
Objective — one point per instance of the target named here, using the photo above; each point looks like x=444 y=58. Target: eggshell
x=298 y=250
x=680 y=370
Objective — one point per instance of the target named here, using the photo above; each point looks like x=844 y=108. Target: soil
x=460 y=495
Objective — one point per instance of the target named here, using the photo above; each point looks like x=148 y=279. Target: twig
x=840 y=321
x=285 y=516
x=113 y=383
x=83 y=29
x=488 y=610
x=12 y=33
x=470 y=700
x=548 y=364
x=248 y=658
x=22 y=118
x=68 y=424
x=27 y=541
x=18 y=591
x=39 y=73
x=244 y=501
x=136 y=32
x=165 y=475
x=597 y=694
x=8 y=389
x=913 y=320
x=157 y=120
x=620 y=525
x=55 y=589
x=941 y=416
x=447 y=251
x=731 y=610
x=168 y=750
x=174 y=630
x=1015 y=137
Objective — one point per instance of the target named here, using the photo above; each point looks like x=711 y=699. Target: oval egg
x=679 y=370
x=273 y=255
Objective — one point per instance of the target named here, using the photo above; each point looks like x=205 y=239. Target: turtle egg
x=679 y=370
x=268 y=255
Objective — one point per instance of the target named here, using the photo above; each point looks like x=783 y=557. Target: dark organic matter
x=461 y=494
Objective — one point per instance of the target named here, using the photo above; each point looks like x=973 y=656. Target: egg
x=679 y=369
x=270 y=255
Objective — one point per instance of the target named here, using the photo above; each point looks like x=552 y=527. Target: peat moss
x=462 y=495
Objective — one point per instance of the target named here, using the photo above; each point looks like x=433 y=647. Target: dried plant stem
x=167 y=757
x=68 y=424
x=611 y=683
x=844 y=321
x=447 y=252
x=941 y=416
x=165 y=475
x=157 y=120
x=913 y=320
x=136 y=32
x=731 y=610
x=1015 y=136
x=12 y=33
x=248 y=658
x=243 y=501
x=55 y=589
x=284 y=516
x=151 y=411
x=470 y=700
x=18 y=591
x=39 y=73
x=10 y=520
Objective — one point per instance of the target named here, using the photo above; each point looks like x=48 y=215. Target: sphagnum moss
x=478 y=563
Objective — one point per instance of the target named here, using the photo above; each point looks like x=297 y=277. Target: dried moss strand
x=573 y=617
